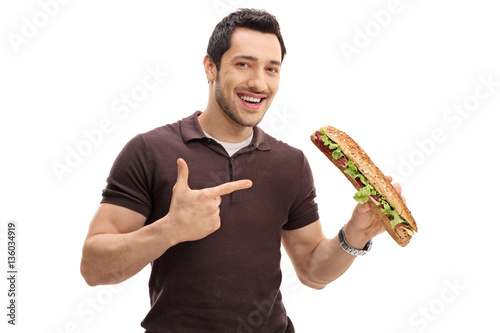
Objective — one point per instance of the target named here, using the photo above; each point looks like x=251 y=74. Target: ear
x=210 y=68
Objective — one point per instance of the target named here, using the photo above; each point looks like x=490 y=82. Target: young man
x=208 y=201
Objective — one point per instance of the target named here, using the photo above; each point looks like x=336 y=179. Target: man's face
x=249 y=75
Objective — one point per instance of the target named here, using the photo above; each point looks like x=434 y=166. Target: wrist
x=356 y=238
x=166 y=231
x=350 y=249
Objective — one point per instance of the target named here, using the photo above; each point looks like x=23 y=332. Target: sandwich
x=370 y=182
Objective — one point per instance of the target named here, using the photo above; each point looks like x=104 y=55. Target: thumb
x=362 y=209
x=182 y=174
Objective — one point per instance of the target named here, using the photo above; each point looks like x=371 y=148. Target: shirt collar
x=191 y=130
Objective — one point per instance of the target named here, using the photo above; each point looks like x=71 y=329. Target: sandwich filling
x=367 y=191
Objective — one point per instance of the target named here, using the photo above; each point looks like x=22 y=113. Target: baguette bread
x=362 y=161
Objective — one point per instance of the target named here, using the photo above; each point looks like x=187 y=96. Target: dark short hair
x=253 y=19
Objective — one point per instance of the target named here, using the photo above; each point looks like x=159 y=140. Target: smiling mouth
x=250 y=99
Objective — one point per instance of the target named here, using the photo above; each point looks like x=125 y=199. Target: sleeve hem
x=292 y=225
x=122 y=202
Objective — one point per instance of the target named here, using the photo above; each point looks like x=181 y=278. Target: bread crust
x=376 y=178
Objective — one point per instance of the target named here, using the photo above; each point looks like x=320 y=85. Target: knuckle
x=204 y=195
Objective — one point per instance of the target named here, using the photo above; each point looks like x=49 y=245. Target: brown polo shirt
x=230 y=280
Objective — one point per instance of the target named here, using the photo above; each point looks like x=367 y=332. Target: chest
x=269 y=199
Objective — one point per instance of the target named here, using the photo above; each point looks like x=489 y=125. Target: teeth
x=250 y=99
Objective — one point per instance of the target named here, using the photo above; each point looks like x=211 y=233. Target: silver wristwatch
x=347 y=248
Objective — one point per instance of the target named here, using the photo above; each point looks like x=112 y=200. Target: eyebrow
x=252 y=58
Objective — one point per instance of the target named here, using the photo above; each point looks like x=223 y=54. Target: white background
x=397 y=95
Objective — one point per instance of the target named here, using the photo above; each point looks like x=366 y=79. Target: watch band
x=347 y=248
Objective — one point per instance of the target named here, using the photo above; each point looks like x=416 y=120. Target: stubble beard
x=230 y=109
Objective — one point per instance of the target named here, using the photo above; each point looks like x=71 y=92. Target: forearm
x=113 y=258
x=329 y=261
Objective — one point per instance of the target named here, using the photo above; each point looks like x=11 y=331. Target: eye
x=242 y=64
x=273 y=70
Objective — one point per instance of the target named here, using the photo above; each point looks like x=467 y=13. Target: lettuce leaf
x=353 y=171
x=337 y=152
x=391 y=212
x=363 y=194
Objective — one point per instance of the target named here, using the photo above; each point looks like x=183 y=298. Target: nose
x=257 y=81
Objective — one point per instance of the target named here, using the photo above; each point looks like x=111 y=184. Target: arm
x=318 y=260
x=118 y=244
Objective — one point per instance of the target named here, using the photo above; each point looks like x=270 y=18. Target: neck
x=218 y=125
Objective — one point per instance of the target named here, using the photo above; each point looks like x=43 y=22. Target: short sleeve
x=129 y=181
x=304 y=209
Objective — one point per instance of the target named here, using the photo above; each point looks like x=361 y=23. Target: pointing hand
x=194 y=214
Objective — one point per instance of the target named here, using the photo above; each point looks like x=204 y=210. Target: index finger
x=229 y=187
x=396 y=186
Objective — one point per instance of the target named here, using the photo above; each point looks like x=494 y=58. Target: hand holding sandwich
x=364 y=224
x=381 y=201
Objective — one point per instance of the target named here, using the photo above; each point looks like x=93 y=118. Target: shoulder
x=287 y=161
x=147 y=146
x=283 y=150
x=162 y=133
x=179 y=132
